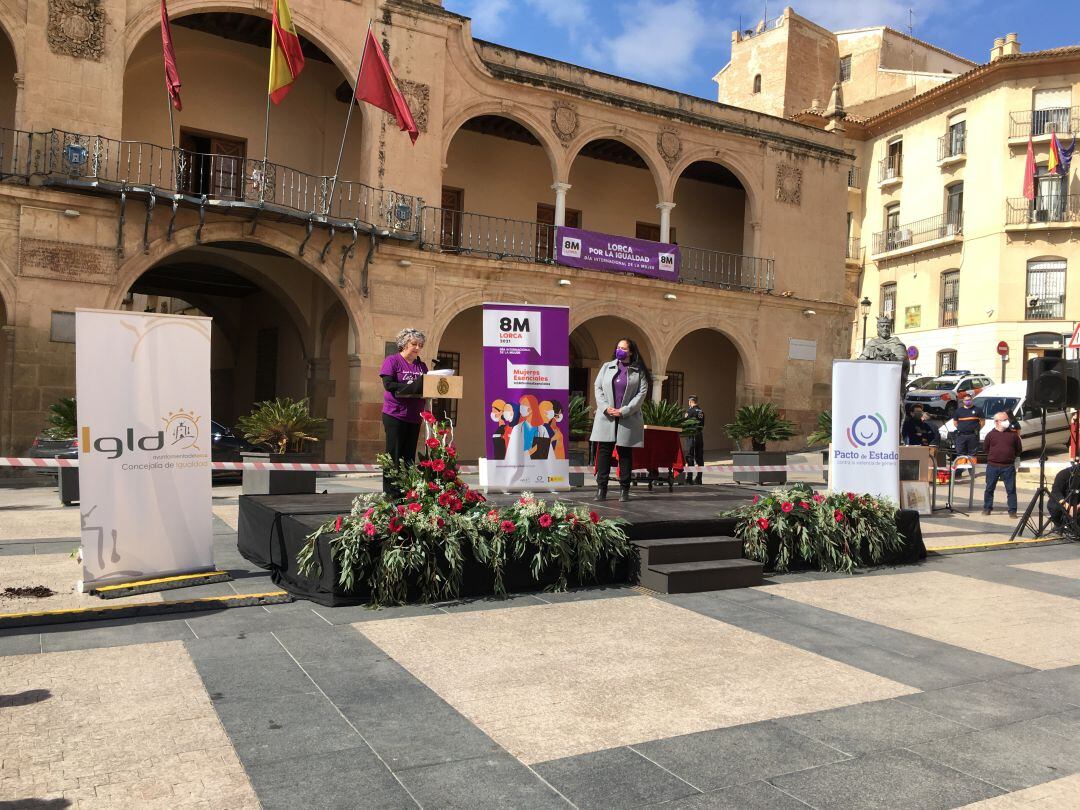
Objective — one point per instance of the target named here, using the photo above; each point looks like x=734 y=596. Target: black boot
x=625 y=496
x=601 y=490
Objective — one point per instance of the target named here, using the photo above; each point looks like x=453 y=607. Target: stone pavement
x=951 y=683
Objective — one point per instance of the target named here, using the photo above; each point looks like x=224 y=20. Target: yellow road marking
x=106 y=608
x=178 y=578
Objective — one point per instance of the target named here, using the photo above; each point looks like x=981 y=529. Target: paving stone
x=1063 y=683
x=245 y=620
x=749 y=796
x=246 y=676
x=490 y=603
x=715 y=759
x=1011 y=757
x=985 y=705
x=115 y=633
x=1066 y=724
x=496 y=782
x=885 y=779
x=20 y=641
x=230 y=647
x=329 y=645
x=875 y=726
x=615 y=778
x=350 y=780
x=351 y=614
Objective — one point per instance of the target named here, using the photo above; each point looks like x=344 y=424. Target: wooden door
x=453 y=203
x=545 y=230
x=651 y=231
x=227 y=164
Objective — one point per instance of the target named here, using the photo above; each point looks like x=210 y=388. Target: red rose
x=369 y=529
x=524 y=501
x=411 y=495
x=395 y=525
x=449 y=475
x=545 y=520
x=804 y=504
x=432 y=442
x=851 y=496
x=507 y=526
x=451 y=451
x=440 y=522
x=416 y=507
x=756 y=499
x=433 y=486
x=337 y=524
x=369 y=512
x=438 y=465
x=493 y=513
x=818 y=498
x=763 y=523
x=428 y=417
x=444 y=499
x=787 y=506
x=838 y=515
x=470 y=496
x=425 y=464
x=595 y=518
x=479 y=497
x=455 y=505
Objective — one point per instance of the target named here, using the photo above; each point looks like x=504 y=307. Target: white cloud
x=488 y=17
x=565 y=13
x=657 y=42
x=838 y=16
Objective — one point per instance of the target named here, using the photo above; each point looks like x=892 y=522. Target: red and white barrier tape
x=708 y=469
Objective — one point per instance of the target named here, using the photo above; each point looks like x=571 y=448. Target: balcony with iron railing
x=890 y=169
x=1049 y=211
x=853 y=249
x=920 y=235
x=1024 y=124
x=208 y=181
x=467 y=233
x=952 y=146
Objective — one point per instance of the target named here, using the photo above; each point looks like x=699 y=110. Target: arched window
x=757 y=83
x=1045 y=290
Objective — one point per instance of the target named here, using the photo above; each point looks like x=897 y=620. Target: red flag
x=1029 y=171
x=375 y=84
x=172 y=75
x=286 y=55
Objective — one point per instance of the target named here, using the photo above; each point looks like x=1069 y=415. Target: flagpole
x=348 y=117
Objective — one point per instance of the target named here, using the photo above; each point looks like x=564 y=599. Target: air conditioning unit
x=1042 y=214
x=903 y=237
x=1049 y=127
x=1032 y=301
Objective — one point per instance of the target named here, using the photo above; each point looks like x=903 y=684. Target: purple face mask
x=621 y=353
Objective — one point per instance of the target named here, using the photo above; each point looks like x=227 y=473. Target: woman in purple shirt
x=621 y=386
x=403 y=379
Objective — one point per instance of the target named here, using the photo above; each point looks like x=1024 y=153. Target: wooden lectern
x=439 y=386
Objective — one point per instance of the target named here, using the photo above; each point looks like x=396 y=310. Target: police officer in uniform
x=968 y=424
x=694 y=444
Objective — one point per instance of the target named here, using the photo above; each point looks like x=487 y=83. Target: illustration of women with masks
x=552 y=412
x=502 y=414
x=522 y=442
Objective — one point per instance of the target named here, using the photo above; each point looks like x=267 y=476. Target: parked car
x=941 y=394
x=1012 y=398
x=225 y=445
x=918 y=382
x=45 y=447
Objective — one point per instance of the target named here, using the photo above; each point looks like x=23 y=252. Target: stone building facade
x=308 y=279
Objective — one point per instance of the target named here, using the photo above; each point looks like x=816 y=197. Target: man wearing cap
x=968 y=424
x=694 y=441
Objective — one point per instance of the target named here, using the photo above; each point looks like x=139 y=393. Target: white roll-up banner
x=865 y=455
x=143 y=388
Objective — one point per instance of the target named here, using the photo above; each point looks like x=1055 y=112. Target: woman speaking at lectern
x=403 y=379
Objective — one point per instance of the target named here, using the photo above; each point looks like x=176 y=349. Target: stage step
x=706 y=575
x=688 y=549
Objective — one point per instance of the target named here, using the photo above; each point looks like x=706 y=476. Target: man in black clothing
x=1065 y=495
x=968 y=424
x=916 y=430
x=694 y=443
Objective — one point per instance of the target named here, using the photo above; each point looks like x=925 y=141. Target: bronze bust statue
x=886 y=346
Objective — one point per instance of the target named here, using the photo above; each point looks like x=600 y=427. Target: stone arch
x=7 y=292
x=446 y=311
x=343 y=55
x=582 y=315
x=747 y=357
x=730 y=162
x=515 y=113
x=645 y=150
x=13 y=29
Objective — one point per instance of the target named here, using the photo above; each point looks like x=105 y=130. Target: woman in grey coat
x=620 y=389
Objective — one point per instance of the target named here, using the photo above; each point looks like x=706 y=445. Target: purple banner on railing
x=590 y=250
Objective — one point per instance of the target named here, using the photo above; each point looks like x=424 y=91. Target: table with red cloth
x=662 y=450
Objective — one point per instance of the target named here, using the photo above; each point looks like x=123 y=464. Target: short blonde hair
x=407 y=334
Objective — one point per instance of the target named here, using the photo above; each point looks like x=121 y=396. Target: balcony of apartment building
x=1053 y=208
x=890 y=169
x=952 y=146
x=1051 y=112
x=502 y=199
x=903 y=238
x=853 y=251
x=853 y=178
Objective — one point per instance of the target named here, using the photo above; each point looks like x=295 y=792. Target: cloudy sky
x=682 y=43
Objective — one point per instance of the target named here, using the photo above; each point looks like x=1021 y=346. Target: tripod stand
x=1027 y=521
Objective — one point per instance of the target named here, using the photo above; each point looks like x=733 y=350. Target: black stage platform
x=273 y=528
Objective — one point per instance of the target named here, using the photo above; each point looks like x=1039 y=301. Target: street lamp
x=864 y=306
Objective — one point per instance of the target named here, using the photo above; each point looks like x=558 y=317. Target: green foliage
x=760 y=424
x=667 y=414
x=63 y=420
x=281 y=425
x=581 y=418
x=416 y=546
x=836 y=532
x=823 y=433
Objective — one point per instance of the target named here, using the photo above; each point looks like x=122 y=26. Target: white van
x=1012 y=398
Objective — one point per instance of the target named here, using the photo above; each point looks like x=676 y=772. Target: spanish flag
x=286 y=58
x=1053 y=165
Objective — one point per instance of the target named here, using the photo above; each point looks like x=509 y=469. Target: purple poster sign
x=617 y=254
x=526 y=403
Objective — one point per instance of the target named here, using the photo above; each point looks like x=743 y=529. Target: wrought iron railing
x=890 y=167
x=853 y=249
x=853 y=177
x=762 y=27
x=1043 y=209
x=219 y=180
x=1063 y=120
x=915 y=233
x=467 y=233
x=952 y=144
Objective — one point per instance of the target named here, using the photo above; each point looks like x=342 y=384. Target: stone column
x=7 y=379
x=665 y=220
x=657 y=392
x=560 y=190
x=354 y=433
x=319 y=390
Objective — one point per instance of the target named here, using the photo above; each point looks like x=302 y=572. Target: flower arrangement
x=832 y=532
x=419 y=543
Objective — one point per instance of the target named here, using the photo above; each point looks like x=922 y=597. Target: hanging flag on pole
x=1053 y=164
x=286 y=57
x=1029 y=171
x=375 y=84
x=172 y=75
x=1066 y=156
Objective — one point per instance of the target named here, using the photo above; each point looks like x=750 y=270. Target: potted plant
x=761 y=423
x=822 y=435
x=581 y=420
x=63 y=428
x=284 y=428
